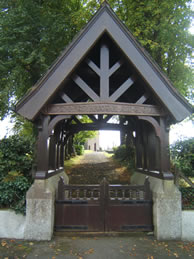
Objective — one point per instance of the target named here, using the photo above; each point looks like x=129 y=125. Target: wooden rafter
x=85 y=88
x=65 y=98
x=76 y=120
x=107 y=118
x=104 y=72
x=143 y=98
x=123 y=88
x=93 y=66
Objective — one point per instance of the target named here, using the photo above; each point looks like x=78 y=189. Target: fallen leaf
x=31 y=244
x=90 y=251
x=176 y=255
x=3 y=243
x=74 y=238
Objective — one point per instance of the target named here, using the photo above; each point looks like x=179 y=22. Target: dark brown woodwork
x=107 y=118
x=103 y=207
x=93 y=118
x=153 y=122
x=103 y=108
x=76 y=120
x=54 y=121
x=74 y=128
x=42 y=150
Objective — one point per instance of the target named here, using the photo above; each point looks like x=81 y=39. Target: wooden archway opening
x=148 y=134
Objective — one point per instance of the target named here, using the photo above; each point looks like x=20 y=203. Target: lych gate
x=104 y=72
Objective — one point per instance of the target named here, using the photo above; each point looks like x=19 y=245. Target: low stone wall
x=11 y=224
x=188 y=225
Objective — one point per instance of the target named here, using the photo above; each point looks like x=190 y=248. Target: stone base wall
x=11 y=224
x=40 y=208
x=167 y=211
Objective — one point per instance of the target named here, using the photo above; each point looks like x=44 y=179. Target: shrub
x=16 y=154
x=125 y=154
x=16 y=160
x=13 y=190
x=187 y=197
x=182 y=156
x=79 y=149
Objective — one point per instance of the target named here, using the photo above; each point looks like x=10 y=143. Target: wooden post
x=104 y=200
x=61 y=190
x=164 y=150
x=52 y=151
x=42 y=150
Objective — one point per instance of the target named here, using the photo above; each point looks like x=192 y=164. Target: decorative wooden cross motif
x=104 y=72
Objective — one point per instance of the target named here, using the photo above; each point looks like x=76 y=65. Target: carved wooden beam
x=103 y=108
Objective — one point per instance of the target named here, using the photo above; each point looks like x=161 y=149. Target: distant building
x=93 y=143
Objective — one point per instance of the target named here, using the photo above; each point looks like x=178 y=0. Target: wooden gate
x=103 y=207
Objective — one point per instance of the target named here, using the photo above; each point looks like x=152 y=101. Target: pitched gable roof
x=104 y=20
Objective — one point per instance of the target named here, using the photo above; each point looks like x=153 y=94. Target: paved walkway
x=138 y=246
x=94 y=166
x=94 y=158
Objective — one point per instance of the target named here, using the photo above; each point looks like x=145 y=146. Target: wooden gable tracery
x=105 y=83
x=104 y=72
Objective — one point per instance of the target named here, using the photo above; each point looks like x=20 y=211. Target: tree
x=81 y=137
x=32 y=34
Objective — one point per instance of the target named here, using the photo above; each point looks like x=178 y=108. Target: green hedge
x=16 y=160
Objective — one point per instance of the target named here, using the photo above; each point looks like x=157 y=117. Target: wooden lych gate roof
x=104 y=71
